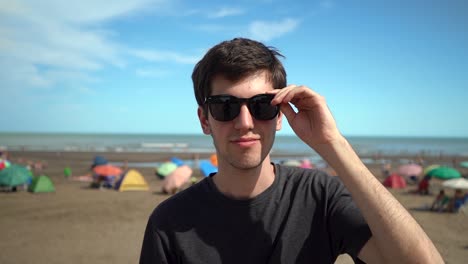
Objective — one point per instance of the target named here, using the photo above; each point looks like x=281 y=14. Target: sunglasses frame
x=225 y=98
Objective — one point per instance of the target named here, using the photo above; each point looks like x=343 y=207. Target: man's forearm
x=398 y=236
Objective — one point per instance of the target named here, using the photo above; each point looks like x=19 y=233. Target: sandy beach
x=77 y=224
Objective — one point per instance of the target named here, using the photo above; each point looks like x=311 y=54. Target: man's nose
x=244 y=120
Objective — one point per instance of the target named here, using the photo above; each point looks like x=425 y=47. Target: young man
x=253 y=211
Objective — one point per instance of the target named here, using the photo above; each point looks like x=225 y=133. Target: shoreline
x=161 y=155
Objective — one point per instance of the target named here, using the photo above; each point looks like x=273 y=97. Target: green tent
x=41 y=184
x=14 y=175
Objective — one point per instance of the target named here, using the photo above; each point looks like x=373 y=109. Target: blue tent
x=207 y=168
x=177 y=161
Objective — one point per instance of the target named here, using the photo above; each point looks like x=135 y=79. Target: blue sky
x=387 y=68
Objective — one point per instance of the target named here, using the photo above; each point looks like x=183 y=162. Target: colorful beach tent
x=41 y=184
x=165 y=169
x=207 y=168
x=174 y=181
x=132 y=180
x=394 y=181
x=14 y=175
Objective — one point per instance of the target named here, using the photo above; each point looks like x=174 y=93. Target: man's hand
x=313 y=121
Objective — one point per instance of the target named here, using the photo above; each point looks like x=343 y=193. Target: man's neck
x=245 y=184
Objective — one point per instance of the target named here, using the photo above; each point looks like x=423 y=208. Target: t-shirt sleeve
x=347 y=227
x=154 y=249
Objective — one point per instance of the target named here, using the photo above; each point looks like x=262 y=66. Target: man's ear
x=279 y=121
x=204 y=121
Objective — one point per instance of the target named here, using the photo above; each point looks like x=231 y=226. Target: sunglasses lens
x=261 y=108
x=224 y=109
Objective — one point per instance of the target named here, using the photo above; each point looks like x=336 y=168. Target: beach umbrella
x=444 y=173
x=107 y=170
x=411 y=169
x=165 y=169
x=459 y=183
x=464 y=164
x=429 y=168
x=14 y=175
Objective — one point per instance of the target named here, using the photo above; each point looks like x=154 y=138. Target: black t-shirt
x=305 y=216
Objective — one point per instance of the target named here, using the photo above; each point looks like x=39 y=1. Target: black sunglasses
x=227 y=107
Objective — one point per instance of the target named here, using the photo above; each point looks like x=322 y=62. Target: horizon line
x=197 y=134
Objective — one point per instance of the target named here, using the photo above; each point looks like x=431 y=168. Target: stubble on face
x=243 y=158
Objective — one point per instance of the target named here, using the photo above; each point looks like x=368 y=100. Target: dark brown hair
x=234 y=60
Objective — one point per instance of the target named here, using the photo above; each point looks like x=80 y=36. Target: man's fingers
x=287 y=111
x=281 y=93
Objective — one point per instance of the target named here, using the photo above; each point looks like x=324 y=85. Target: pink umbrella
x=410 y=170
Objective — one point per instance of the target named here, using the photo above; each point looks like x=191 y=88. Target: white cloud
x=78 y=12
x=164 y=56
x=66 y=37
x=225 y=12
x=268 y=30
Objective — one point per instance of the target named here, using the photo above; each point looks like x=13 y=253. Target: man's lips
x=245 y=141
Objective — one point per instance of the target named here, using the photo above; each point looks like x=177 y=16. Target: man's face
x=244 y=142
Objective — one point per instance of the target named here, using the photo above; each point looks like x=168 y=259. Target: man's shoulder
x=302 y=174
x=308 y=179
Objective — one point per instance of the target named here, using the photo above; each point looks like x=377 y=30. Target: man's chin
x=246 y=164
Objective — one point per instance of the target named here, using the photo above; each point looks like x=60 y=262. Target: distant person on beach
x=255 y=211
x=457 y=201
x=423 y=186
x=3 y=155
x=386 y=168
x=440 y=202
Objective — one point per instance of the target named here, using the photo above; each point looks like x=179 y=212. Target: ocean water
x=203 y=144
